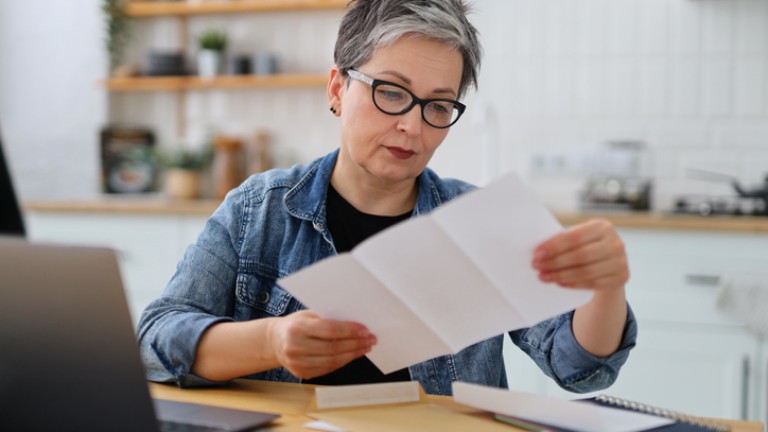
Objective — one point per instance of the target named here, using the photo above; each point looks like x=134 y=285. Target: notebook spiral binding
x=648 y=409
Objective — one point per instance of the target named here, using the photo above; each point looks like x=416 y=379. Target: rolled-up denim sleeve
x=200 y=294
x=553 y=346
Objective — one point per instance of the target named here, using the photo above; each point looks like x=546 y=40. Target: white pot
x=210 y=63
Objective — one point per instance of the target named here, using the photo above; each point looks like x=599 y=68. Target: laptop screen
x=11 y=222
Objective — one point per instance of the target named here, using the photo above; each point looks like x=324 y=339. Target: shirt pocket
x=258 y=290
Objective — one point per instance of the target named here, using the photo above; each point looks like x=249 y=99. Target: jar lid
x=227 y=143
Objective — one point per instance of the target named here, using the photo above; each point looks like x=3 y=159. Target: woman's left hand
x=589 y=255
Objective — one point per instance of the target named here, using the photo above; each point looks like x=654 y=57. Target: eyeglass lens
x=395 y=100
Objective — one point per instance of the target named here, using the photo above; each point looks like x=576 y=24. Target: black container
x=160 y=63
x=242 y=65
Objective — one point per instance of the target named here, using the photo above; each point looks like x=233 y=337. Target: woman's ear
x=335 y=89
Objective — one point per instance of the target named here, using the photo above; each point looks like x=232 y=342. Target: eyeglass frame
x=415 y=100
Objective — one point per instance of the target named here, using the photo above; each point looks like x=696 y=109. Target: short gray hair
x=371 y=24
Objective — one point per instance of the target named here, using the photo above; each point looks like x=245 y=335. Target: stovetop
x=713 y=205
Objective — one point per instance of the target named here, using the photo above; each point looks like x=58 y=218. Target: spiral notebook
x=682 y=422
x=540 y=413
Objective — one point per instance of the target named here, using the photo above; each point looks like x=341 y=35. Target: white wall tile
x=653 y=86
x=754 y=173
x=621 y=82
x=653 y=26
x=749 y=86
x=741 y=134
x=751 y=27
x=664 y=163
x=531 y=81
x=716 y=26
x=502 y=27
x=716 y=85
x=527 y=28
x=621 y=33
x=557 y=89
x=591 y=27
x=685 y=76
x=561 y=28
x=677 y=133
x=685 y=25
x=589 y=87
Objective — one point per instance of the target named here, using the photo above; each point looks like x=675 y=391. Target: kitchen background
x=682 y=83
x=688 y=78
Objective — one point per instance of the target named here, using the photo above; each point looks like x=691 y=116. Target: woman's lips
x=400 y=153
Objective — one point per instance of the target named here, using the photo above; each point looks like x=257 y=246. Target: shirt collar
x=306 y=199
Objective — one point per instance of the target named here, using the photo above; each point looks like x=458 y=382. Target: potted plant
x=118 y=31
x=210 y=60
x=183 y=171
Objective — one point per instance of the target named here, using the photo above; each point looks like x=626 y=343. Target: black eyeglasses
x=394 y=99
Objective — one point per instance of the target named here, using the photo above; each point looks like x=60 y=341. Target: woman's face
x=388 y=149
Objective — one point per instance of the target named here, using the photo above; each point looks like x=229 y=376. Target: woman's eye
x=439 y=108
x=393 y=95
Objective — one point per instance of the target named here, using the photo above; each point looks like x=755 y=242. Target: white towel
x=745 y=298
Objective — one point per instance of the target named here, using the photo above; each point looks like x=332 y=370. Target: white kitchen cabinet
x=690 y=356
x=148 y=246
x=687 y=369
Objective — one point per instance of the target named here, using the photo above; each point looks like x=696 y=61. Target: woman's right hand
x=309 y=346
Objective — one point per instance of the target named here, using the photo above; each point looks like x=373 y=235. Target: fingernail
x=363 y=333
x=545 y=277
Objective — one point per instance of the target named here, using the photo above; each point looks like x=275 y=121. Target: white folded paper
x=438 y=283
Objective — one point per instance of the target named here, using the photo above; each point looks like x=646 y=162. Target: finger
x=332 y=329
x=313 y=366
x=572 y=238
x=330 y=347
x=587 y=276
x=589 y=254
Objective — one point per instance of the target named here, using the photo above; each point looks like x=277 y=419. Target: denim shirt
x=275 y=224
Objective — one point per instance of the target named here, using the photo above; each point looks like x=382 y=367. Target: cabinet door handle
x=745 y=372
x=703 y=279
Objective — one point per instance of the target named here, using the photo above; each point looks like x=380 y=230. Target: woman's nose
x=411 y=122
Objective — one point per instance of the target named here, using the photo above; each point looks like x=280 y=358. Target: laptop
x=11 y=222
x=69 y=358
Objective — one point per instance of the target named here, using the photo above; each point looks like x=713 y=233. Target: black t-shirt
x=348 y=227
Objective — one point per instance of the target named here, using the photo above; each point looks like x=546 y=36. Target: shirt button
x=319 y=226
x=263 y=297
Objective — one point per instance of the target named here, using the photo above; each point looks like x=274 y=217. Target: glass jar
x=228 y=165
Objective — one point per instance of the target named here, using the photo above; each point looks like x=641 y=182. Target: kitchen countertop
x=163 y=206
x=126 y=205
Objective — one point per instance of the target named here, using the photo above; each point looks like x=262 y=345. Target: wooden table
x=292 y=402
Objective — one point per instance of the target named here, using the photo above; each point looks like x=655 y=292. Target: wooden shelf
x=178 y=83
x=183 y=8
x=182 y=11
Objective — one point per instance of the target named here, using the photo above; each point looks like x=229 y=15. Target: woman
x=400 y=67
